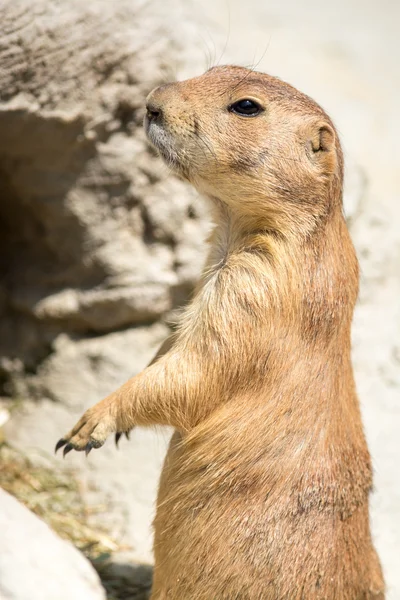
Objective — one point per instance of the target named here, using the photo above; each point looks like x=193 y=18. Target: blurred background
x=100 y=245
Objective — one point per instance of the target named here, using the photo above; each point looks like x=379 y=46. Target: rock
x=36 y=564
x=127 y=575
x=355 y=190
x=80 y=372
x=93 y=232
x=4 y=418
x=98 y=242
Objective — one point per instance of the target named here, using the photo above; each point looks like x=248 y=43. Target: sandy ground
x=345 y=55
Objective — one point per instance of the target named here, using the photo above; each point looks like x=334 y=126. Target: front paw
x=92 y=429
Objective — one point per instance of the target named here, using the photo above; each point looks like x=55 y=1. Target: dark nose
x=154 y=112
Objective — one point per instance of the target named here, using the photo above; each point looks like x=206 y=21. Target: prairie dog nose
x=153 y=110
x=158 y=101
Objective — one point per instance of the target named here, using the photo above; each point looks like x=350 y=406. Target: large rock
x=94 y=235
x=98 y=243
x=36 y=564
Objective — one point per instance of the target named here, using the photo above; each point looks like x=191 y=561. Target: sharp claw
x=67 y=449
x=118 y=436
x=88 y=448
x=93 y=444
x=60 y=444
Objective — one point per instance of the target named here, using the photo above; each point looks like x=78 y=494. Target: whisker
x=263 y=54
x=207 y=51
x=213 y=55
x=246 y=76
x=227 y=37
x=208 y=146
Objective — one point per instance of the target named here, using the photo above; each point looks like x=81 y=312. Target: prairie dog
x=264 y=492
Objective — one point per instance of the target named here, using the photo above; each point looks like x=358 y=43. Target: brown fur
x=264 y=493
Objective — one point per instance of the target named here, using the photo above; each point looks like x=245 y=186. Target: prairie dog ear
x=321 y=144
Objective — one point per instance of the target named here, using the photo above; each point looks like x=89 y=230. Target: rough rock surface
x=94 y=235
x=96 y=238
x=36 y=564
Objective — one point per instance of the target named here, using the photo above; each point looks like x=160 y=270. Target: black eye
x=246 y=108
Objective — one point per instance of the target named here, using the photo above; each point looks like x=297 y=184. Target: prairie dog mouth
x=163 y=142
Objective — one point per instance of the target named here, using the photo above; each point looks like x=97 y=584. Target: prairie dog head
x=250 y=142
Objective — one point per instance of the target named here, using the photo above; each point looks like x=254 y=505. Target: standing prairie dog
x=264 y=492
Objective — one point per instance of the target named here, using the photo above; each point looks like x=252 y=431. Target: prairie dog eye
x=246 y=108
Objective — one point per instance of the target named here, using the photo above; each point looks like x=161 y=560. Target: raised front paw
x=92 y=429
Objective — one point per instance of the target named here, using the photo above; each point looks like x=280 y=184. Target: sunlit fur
x=264 y=493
